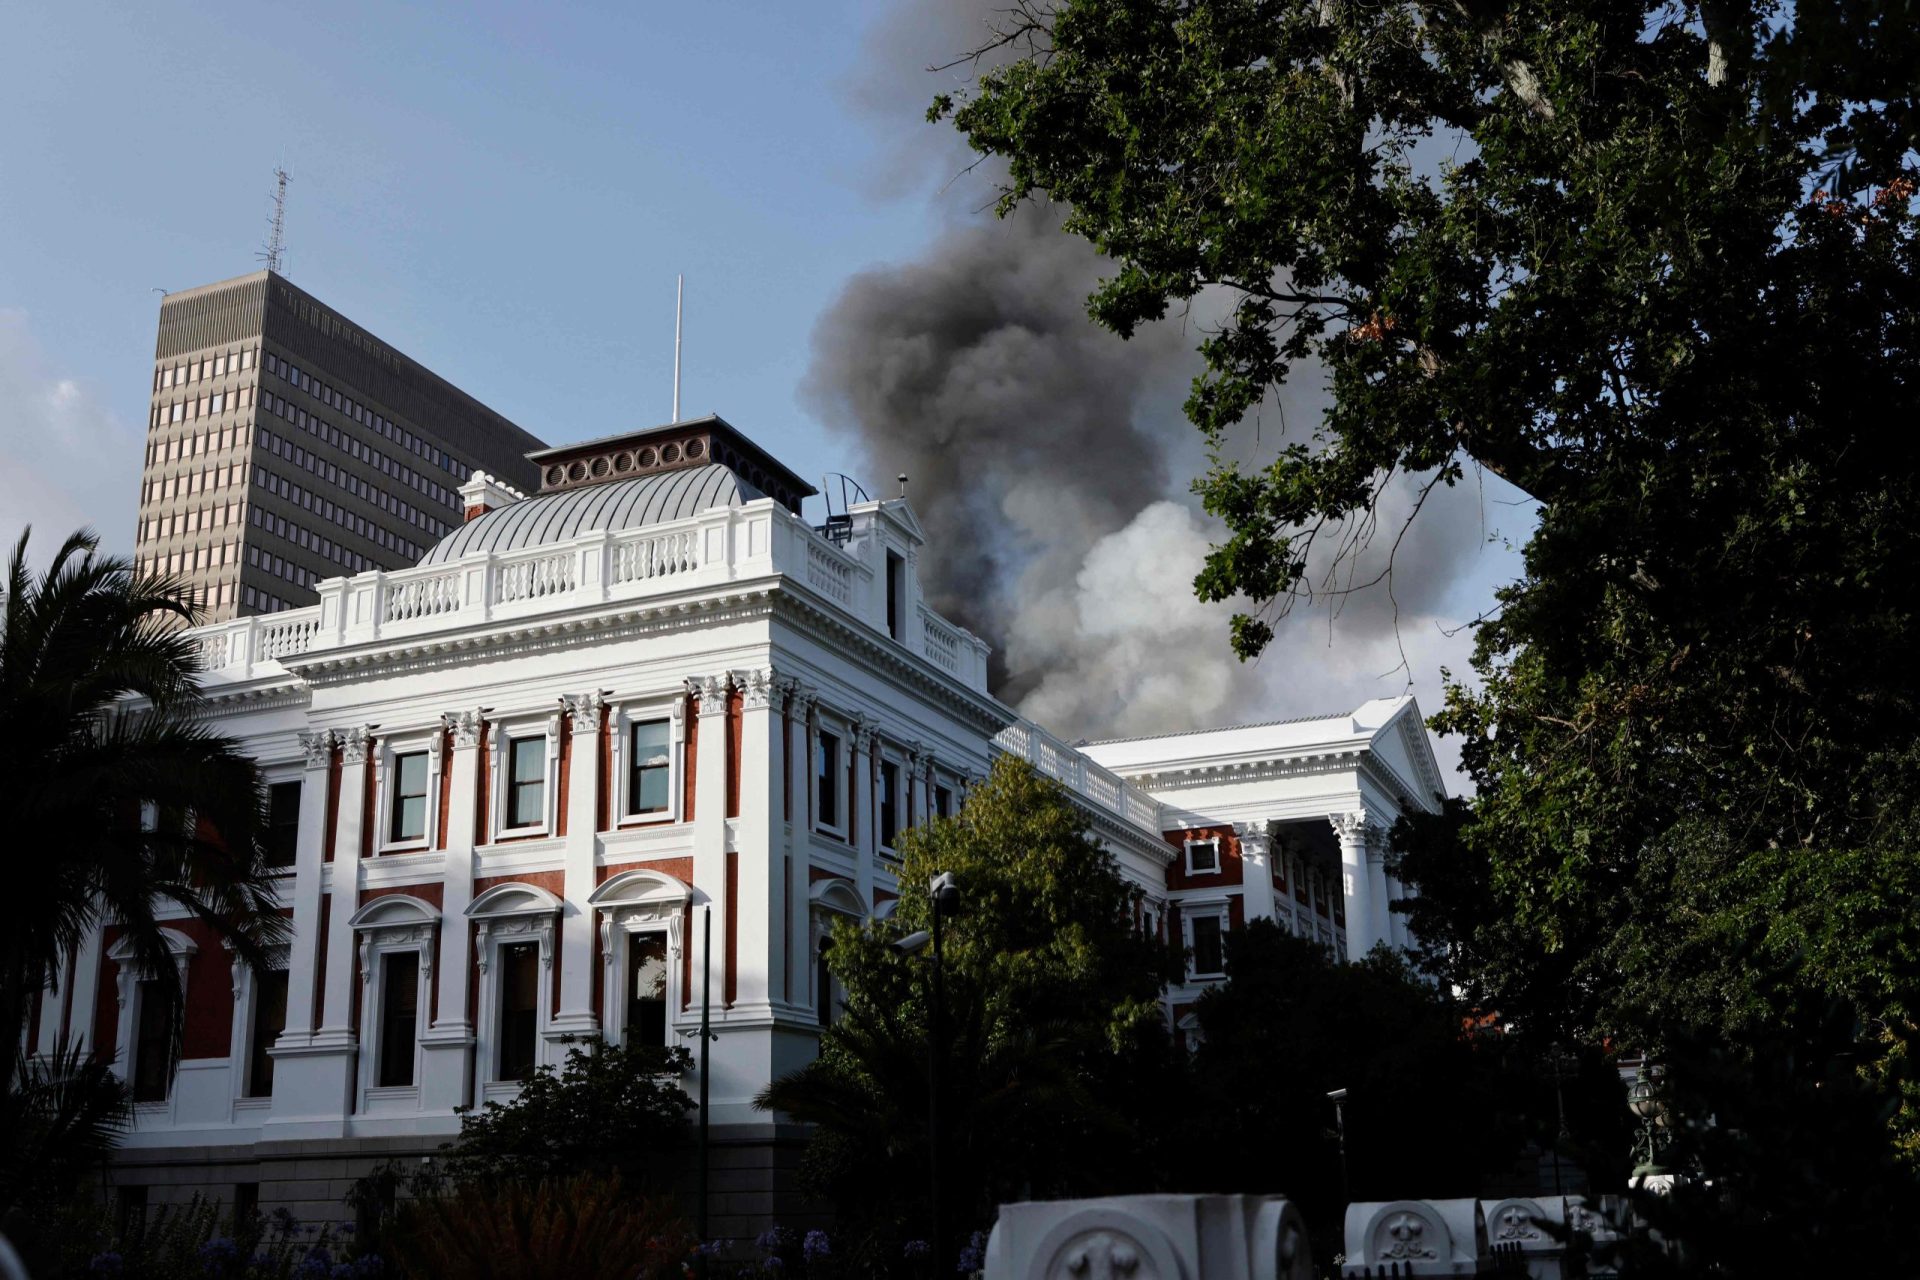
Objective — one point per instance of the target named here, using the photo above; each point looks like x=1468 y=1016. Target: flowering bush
x=197 y=1241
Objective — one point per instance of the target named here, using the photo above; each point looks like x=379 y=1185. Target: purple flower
x=816 y=1246
x=106 y=1264
x=913 y=1250
x=974 y=1255
x=770 y=1240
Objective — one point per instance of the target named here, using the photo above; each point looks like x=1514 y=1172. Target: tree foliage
x=1054 y=1028
x=123 y=801
x=608 y=1109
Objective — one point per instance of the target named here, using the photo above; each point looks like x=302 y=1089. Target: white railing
x=1080 y=774
x=942 y=641
x=534 y=578
x=656 y=557
x=829 y=571
x=284 y=633
x=421 y=597
x=758 y=542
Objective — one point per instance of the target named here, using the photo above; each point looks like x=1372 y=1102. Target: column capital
x=464 y=726
x=319 y=747
x=1351 y=826
x=585 y=709
x=353 y=744
x=712 y=692
x=1254 y=837
x=756 y=685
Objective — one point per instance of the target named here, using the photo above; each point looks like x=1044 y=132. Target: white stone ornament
x=318 y=747
x=1150 y=1237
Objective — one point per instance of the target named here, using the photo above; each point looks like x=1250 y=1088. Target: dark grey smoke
x=1050 y=461
x=1028 y=432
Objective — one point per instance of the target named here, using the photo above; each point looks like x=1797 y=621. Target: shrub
x=583 y=1228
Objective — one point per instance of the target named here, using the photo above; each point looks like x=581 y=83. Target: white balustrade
x=1081 y=775
x=421 y=597
x=655 y=556
x=829 y=571
x=287 y=633
x=943 y=642
x=535 y=577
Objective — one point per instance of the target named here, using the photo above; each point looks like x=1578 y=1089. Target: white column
x=576 y=1015
x=866 y=842
x=337 y=1019
x=1382 y=918
x=447 y=1047
x=303 y=955
x=1402 y=933
x=760 y=913
x=919 y=764
x=710 y=833
x=1256 y=869
x=799 y=842
x=1351 y=828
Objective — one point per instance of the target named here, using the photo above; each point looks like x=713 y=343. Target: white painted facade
x=756 y=647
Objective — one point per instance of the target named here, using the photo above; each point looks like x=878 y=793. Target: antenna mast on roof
x=276 y=241
x=679 y=296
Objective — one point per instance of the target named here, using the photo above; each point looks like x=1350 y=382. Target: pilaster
x=1351 y=828
x=799 y=840
x=576 y=1015
x=303 y=957
x=866 y=845
x=1256 y=869
x=1380 y=894
x=763 y=890
x=447 y=1047
x=710 y=829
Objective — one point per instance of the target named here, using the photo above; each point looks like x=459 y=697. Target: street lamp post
x=944 y=894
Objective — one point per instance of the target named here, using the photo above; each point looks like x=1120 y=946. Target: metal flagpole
x=679 y=297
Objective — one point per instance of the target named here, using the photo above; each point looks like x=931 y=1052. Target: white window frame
x=842 y=735
x=639 y=900
x=500 y=734
x=902 y=783
x=1219 y=855
x=509 y=780
x=387 y=925
x=246 y=1001
x=1213 y=909
x=503 y=915
x=278 y=776
x=827 y=898
x=672 y=709
x=386 y=784
x=127 y=990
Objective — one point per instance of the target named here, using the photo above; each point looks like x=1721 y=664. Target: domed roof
x=615 y=505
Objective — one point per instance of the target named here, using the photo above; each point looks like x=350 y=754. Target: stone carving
x=1100 y=1255
x=464 y=726
x=353 y=745
x=1150 y=1237
x=586 y=709
x=1349 y=826
x=1403 y=1236
x=756 y=686
x=712 y=692
x=318 y=746
x=1515 y=1220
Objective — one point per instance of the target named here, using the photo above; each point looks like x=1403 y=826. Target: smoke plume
x=1050 y=463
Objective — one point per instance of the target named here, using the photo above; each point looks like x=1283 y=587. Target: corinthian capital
x=1350 y=826
x=318 y=746
x=353 y=745
x=585 y=709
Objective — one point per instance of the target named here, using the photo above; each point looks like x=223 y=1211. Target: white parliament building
x=511 y=785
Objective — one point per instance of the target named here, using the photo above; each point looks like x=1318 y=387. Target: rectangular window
x=269 y=1020
x=1208 y=958
x=152 y=1040
x=283 y=823
x=826 y=775
x=896 y=595
x=399 y=1017
x=409 y=797
x=1203 y=857
x=649 y=769
x=943 y=801
x=889 y=802
x=526 y=781
x=519 y=1008
x=646 y=989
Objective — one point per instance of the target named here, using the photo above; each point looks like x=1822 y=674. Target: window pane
x=269 y=1020
x=1207 y=956
x=889 y=803
x=399 y=1009
x=647 y=785
x=646 y=989
x=151 y=1042
x=519 y=1009
x=283 y=823
x=410 y=796
x=826 y=772
x=526 y=789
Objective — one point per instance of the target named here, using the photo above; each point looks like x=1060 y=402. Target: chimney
x=483 y=493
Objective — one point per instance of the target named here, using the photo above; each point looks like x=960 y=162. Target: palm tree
x=124 y=807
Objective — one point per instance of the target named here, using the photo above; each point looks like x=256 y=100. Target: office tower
x=286 y=445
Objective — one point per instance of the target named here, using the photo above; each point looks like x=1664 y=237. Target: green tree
x=606 y=1110
x=1055 y=1030
x=122 y=801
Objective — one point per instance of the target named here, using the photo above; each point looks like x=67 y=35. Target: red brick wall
x=1232 y=870
x=693 y=755
x=736 y=737
x=565 y=787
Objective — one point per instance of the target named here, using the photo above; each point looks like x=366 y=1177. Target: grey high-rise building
x=286 y=444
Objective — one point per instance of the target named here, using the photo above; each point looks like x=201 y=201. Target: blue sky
x=503 y=192
x=506 y=194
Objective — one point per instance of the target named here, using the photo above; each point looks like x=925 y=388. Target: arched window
x=642 y=918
